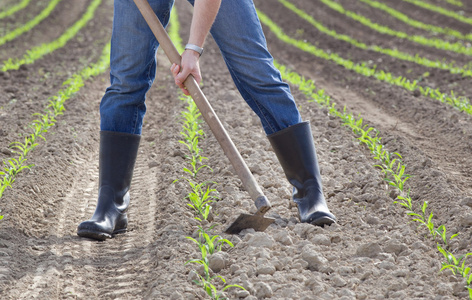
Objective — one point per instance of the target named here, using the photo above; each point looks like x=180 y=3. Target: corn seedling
x=206 y=281
x=441 y=232
x=390 y=52
x=200 y=198
x=44 y=49
x=201 y=195
x=440 y=10
x=211 y=243
x=19 y=6
x=456 y=265
x=455 y=2
x=423 y=218
x=461 y=103
x=415 y=23
x=405 y=201
x=387 y=164
x=457 y=47
x=12 y=166
x=30 y=24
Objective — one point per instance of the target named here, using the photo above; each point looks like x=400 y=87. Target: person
x=236 y=29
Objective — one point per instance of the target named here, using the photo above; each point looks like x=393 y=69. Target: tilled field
x=375 y=251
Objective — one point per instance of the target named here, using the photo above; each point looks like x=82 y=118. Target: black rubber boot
x=118 y=153
x=296 y=152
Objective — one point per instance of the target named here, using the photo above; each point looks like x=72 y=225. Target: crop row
x=394 y=173
x=44 y=121
x=390 y=164
x=437 y=43
x=391 y=52
x=10 y=11
x=30 y=24
x=440 y=10
x=12 y=166
x=202 y=193
x=415 y=23
x=460 y=102
x=455 y=2
x=199 y=199
x=47 y=48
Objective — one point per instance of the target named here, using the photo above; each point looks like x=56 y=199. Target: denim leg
x=238 y=33
x=132 y=66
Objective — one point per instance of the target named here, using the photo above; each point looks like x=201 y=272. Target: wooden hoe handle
x=206 y=110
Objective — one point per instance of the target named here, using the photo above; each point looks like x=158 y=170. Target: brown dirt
x=372 y=253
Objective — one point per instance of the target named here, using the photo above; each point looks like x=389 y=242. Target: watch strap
x=195 y=48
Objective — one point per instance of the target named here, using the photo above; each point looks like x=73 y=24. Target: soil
x=374 y=251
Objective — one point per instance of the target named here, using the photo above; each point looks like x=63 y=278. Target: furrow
x=461 y=102
x=11 y=35
x=14 y=9
x=52 y=276
x=416 y=23
x=441 y=10
x=422 y=40
x=38 y=52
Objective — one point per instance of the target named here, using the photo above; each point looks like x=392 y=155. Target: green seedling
x=441 y=232
x=415 y=23
x=422 y=40
x=200 y=198
x=201 y=195
x=39 y=51
x=19 y=6
x=206 y=280
x=211 y=244
x=456 y=265
x=9 y=36
x=417 y=59
x=387 y=160
x=424 y=219
x=11 y=167
x=440 y=10
x=363 y=68
x=399 y=177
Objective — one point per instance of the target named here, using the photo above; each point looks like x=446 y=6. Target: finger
x=175 y=69
x=181 y=77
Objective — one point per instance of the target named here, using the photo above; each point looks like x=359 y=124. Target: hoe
x=256 y=221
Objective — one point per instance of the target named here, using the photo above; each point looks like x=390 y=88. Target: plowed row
x=373 y=252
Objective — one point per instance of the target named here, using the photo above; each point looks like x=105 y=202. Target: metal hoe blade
x=256 y=221
x=245 y=221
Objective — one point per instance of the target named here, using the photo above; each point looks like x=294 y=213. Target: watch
x=195 y=48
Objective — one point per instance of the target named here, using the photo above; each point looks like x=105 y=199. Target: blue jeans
x=237 y=32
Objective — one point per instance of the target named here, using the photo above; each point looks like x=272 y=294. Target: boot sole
x=97 y=235
x=323 y=221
